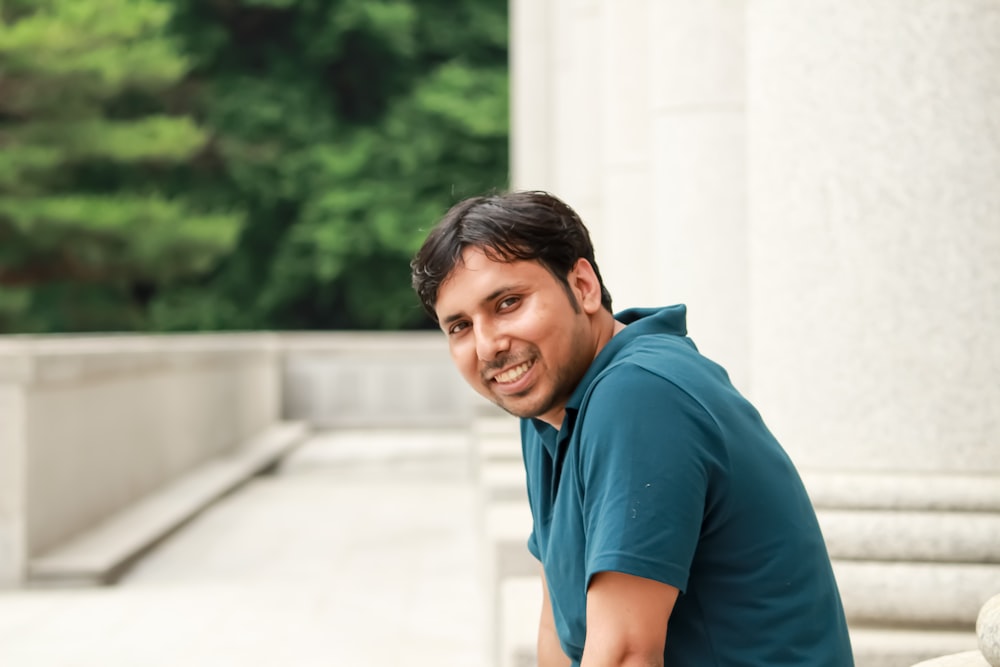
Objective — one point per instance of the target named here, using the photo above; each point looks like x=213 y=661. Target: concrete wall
x=90 y=425
x=373 y=379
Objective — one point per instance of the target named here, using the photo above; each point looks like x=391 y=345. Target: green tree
x=345 y=128
x=89 y=129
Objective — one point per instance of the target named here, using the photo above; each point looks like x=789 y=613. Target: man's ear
x=584 y=283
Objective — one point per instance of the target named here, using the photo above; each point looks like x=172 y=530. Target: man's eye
x=457 y=327
x=508 y=302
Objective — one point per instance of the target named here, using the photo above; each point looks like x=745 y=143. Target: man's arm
x=626 y=621
x=550 y=653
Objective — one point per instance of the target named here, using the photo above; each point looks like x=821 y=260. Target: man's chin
x=519 y=410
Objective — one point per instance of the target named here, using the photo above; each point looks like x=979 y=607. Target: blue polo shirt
x=663 y=470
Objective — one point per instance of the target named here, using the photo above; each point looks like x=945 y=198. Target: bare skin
x=515 y=335
x=550 y=653
x=522 y=340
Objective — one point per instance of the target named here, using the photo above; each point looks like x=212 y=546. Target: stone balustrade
x=372 y=379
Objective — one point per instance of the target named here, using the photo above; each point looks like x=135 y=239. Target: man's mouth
x=513 y=374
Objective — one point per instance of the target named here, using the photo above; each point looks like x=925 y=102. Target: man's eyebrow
x=486 y=299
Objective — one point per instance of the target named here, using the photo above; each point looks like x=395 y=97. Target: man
x=671 y=527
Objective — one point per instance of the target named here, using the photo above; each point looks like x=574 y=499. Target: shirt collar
x=638 y=322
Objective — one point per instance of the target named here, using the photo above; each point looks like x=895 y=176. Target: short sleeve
x=533 y=546
x=645 y=468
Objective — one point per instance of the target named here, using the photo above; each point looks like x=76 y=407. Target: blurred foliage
x=84 y=88
x=344 y=128
x=237 y=164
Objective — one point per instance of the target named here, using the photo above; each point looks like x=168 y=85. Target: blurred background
x=227 y=432
x=174 y=165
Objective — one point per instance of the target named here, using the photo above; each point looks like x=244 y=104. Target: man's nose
x=490 y=342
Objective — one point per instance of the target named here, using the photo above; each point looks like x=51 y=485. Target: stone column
x=697 y=201
x=623 y=250
x=555 y=55
x=874 y=213
x=576 y=50
x=531 y=118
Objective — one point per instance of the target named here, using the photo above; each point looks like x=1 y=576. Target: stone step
x=101 y=554
x=961 y=492
x=916 y=595
x=893 y=647
x=912 y=536
x=497 y=437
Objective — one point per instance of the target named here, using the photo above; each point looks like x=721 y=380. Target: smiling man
x=671 y=526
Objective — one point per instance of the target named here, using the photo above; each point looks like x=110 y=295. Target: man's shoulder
x=671 y=358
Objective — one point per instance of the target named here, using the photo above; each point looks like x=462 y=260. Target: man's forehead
x=477 y=277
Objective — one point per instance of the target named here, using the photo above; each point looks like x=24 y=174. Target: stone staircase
x=916 y=555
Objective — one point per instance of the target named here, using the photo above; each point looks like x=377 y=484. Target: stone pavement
x=360 y=550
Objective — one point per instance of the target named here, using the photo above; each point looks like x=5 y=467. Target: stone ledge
x=897 y=594
x=964 y=659
x=99 y=556
x=961 y=492
x=890 y=647
x=912 y=536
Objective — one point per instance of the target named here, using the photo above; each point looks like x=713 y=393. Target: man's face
x=514 y=334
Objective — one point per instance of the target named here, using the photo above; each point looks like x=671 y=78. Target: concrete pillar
x=576 y=46
x=874 y=213
x=555 y=51
x=697 y=195
x=531 y=73
x=623 y=250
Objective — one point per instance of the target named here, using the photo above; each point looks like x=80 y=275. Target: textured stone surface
x=895 y=593
x=945 y=537
x=988 y=630
x=966 y=659
x=895 y=490
x=893 y=647
x=874 y=157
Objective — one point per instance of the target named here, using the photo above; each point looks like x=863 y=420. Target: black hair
x=507 y=227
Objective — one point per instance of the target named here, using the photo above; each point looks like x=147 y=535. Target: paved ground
x=360 y=551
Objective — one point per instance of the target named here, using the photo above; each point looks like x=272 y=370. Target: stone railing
x=93 y=425
x=988 y=632
x=375 y=378
x=108 y=442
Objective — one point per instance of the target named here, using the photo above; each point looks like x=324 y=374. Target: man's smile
x=513 y=374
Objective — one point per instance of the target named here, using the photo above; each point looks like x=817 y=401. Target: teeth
x=513 y=373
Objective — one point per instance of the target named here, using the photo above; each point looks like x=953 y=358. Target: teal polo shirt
x=663 y=470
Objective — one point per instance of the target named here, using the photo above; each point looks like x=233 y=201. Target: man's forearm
x=550 y=653
x=621 y=660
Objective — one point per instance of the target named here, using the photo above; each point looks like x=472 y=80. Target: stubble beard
x=560 y=391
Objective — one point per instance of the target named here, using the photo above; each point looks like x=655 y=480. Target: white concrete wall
x=90 y=425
